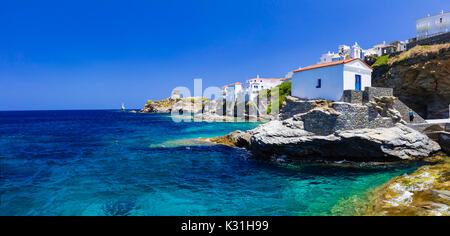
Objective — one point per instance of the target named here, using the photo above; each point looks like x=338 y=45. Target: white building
x=232 y=91
x=399 y=46
x=344 y=52
x=379 y=49
x=257 y=84
x=329 y=80
x=432 y=25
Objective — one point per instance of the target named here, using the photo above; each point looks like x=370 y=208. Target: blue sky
x=98 y=54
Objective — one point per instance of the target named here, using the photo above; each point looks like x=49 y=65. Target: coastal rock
x=380 y=144
x=338 y=131
x=235 y=139
x=439 y=133
x=180 y=105
x=425 y=192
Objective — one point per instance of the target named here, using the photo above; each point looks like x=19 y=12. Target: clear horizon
x=79 y=55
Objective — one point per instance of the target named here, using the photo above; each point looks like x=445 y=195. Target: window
x=319 y=83
x=440 y=20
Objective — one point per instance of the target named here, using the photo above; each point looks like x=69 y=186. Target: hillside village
x=429 y=30
x=338 y=76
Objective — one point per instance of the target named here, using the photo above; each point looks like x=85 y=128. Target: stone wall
x=343 y=116
x=293 y=106
x=404 y=111
x=439 y=39
x=353 y=116
x=370 y=93
x=352 y=96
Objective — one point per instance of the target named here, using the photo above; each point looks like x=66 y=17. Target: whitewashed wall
x=304 y=83
x=335 y=79
x=357 y=68
x=432 y=25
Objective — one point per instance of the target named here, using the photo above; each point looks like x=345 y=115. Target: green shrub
x=284 y=90
x=381 y=61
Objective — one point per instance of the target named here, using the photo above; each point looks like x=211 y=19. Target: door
x=357 y=82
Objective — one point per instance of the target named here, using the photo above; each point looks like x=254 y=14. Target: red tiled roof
x=228 y=85
x=334 y=63
x=263 y=79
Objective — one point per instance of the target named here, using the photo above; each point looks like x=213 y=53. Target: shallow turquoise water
x=113 y=163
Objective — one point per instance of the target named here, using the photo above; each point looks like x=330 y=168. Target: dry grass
x=418 y=51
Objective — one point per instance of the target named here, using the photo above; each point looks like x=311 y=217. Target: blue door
x=357 y=82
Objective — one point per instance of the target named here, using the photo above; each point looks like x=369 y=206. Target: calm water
x=113 y=163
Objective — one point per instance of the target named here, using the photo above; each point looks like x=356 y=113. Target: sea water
x=119 y=163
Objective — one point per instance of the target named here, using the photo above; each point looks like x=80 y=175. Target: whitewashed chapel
x=329 y=80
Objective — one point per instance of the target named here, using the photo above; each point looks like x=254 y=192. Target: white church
x=329 y=80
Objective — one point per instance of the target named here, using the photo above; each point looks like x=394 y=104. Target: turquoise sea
x=116 y=163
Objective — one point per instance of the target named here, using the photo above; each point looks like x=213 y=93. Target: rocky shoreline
x=324 y=131
x=336 y=131
x=426 y=192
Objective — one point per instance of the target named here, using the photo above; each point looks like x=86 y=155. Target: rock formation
x=426 y=192
x=336 y=131
x=210 y=110
x=180 y=105
x=439 y=133
x=420 y=78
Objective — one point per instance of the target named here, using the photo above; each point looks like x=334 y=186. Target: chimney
x=442 y=12
x=428 y=15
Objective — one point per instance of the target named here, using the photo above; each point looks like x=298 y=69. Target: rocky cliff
x=420 y=78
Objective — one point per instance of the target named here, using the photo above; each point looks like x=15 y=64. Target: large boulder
x=335 y=132
x=381 y=144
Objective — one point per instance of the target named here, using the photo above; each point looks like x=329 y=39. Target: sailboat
x=123 y=107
